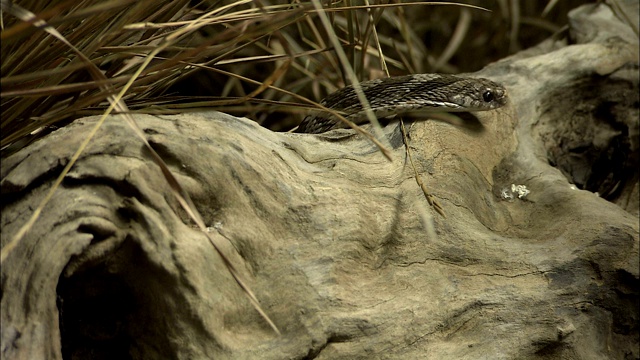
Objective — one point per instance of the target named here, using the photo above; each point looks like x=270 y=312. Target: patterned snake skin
x=402 y=94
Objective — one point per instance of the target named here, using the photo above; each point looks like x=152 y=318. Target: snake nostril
x=488 y=96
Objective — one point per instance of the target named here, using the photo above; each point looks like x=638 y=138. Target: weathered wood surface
x=329 y=233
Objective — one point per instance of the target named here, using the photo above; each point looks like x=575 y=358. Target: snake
x=405 y=94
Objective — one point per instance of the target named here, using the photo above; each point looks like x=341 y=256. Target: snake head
x=481 y=94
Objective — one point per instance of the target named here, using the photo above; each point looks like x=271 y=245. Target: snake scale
x=405 y=94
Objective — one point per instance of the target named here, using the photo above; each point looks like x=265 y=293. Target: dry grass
x=44 y=83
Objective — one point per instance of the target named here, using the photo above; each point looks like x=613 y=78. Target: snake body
x=409 y=93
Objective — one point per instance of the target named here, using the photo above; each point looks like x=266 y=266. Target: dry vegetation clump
x=219 y=54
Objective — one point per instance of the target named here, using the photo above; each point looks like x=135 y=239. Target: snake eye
x=488 y=96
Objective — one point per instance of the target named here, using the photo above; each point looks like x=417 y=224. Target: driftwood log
x=338 y=243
